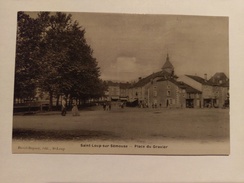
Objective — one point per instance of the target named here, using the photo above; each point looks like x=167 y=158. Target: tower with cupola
x=168 y=66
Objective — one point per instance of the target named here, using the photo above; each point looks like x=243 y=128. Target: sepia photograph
x=117 y=83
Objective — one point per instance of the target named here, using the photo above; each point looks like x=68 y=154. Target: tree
x=67 y=64
x=28 y=36
x=63 y=61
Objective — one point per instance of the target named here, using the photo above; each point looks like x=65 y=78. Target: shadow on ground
x=28 y=134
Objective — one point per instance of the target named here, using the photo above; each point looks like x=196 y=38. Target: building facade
x=165 y=89
x=117 y=91
x=214 y=94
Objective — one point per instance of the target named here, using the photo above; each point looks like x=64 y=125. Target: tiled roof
x=125 y=85
x=181 y=85
x=119 y=84
x=111 y=83
x=190 y=89
x=148 y=79
x=200 y=80
x=219 y=79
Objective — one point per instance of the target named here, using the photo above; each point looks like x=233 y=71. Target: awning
x=115 y=97
x=123 y=98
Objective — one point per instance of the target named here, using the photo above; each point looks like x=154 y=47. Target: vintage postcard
x=100 y=83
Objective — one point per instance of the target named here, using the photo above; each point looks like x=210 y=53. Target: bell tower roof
x=167 y=65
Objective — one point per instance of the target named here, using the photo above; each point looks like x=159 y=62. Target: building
x=140 y=90
x=214 y=91
x=167 y=92
x=114 y=90
x=219 y=79
x=161 y=89
x=117 y=91
x=124 y=91
x=220 y=84
x=165 y=89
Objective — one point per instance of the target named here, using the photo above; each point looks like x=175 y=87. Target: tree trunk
x=57 y=102
x=70 y=101
x=50 y=100
x=79 y=102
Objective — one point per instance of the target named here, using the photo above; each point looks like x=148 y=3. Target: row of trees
x=52 y=56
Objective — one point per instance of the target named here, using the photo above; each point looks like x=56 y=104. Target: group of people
x=107 y=106
x=75 y=111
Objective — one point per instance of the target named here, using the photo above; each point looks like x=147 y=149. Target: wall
x=169 y=94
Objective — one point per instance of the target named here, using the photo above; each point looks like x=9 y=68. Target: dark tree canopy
x=52 y=55
x=26 y=52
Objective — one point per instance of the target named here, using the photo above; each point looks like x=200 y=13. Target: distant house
x=113 y=92
x=124 y=91
x=213 y=93
x=220 y=84
x=117 y=91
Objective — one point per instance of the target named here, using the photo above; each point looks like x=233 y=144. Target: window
x=155 y=93
x=168 y=86
x=168 y=93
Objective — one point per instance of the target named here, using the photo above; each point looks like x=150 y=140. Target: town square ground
x=125 y=131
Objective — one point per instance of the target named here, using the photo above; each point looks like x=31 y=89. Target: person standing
x=104 y=106
x=109 y=106
x=75 y=111
x=63 y=113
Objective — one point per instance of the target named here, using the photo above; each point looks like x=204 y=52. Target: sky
x=129 y=46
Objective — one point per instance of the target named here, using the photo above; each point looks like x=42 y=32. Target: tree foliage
x=52 y=55
x=26 y=50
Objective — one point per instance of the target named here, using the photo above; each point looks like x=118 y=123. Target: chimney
x=205 y=77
